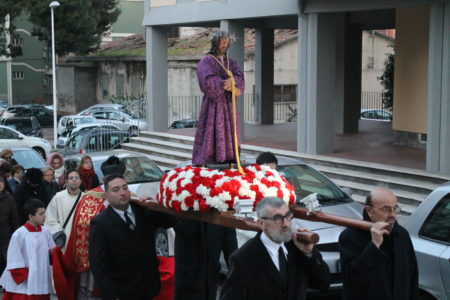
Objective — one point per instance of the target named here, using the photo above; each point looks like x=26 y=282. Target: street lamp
x=54 y=4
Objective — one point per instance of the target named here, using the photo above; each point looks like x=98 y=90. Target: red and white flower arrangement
x=202 y=189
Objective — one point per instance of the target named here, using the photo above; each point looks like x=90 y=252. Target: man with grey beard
x=273 y=265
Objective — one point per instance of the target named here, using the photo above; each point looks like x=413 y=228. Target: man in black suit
x=122 y=252
x=273 y=265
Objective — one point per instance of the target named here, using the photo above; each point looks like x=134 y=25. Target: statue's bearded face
x=224 y=43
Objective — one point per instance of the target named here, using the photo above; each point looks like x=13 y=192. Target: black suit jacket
x=123 y=261
x=253 y=275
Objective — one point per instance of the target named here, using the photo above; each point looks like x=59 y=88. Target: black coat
x=371 y=273
x=123 y=261
x=253 y=275
x=197 y=252
x=9 y=221
x=24 y=192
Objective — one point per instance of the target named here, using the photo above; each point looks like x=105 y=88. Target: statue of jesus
x=217 y=76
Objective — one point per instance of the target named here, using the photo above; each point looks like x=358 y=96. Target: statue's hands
x=306 y=248
x=238 y=92
x=227 y=85
x=377 y=231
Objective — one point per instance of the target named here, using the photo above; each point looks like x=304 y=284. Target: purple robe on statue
x=214 y=138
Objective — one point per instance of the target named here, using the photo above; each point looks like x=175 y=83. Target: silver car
x=429 y=227
x=120 y=119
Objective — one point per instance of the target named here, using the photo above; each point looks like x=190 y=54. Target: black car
x=44 y=115
x=95 y=140
x=27 y=125
x=183 y=124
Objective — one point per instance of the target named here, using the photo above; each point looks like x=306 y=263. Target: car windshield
x=18 y=125
x=29 y=159
x=138 y=169
x=84 y=120
x=306 y=181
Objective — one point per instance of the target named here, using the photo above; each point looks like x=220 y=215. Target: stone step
x=164 y=162
x=390 y=182
x=403 y=196
x=181 y=147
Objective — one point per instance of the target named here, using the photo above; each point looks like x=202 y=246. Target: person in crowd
x=61 y=207
x=121 y=231
x=31 y=187
x=214 y=138
x=27 y=274
x=5 y=172
x=50 y=185
x=17 y=174
x=9 y=221
x=7 y=155
x=273 y=264
x=76 y=257
x=267 y=158
x=55 y=160
x=89 y=180
x=380 y=264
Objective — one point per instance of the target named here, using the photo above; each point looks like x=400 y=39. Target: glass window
x=63 y=121
x=7 y=134
x=437 y=224
x=29 y=159
x=307 y=181
x=141 y=169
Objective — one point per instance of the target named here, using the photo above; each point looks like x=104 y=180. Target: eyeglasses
x=48 y=175
x=389 y=209
x=7 y=157
x=278 y=219
x=73 y=177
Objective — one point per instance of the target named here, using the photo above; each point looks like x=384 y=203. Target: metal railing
x=372 y=100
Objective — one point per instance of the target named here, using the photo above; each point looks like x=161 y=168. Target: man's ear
x=368 y=210
x=260 y=223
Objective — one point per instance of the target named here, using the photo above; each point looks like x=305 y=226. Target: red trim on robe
x=31 y=228
x=15 y=296
x=19 y=275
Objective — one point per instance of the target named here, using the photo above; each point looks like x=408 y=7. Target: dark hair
x=369 y=200
x=34 y=175
x=217 y=36
x=66 y=177
x=109 y=178
x=113 y=165
x=32 y=205
x=266 y=158
x=5 y=167
x=15 y=168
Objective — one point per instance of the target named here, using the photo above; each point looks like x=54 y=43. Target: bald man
x=380 y=264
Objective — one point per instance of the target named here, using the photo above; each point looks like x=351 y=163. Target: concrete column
x=438 y=139
x=264 y=60
x=157 y=87
x=236 y=52
x=317 y=84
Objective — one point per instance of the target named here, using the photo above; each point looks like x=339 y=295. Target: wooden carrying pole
x=227 y=219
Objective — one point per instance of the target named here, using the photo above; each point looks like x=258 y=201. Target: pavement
x=373 y=143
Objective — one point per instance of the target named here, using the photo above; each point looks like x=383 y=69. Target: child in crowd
x=27 y=273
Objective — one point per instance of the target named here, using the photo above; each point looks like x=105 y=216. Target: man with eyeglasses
x=274 y=265
x=380 y=264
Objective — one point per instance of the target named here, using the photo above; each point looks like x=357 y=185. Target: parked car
x=96 y=140
x=121 y=120
x=74 y=120
x=306 y=180
x=44 y=116
x=3 y=105
x=10 y=137
x=183 y=124
x=143 y=177
x=69 y=131
x=429 y=227
x=27 y=125
x=27 y=157
x=103 y=107
x=376 y=114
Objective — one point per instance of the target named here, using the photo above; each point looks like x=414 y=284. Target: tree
x=9 y=9
x=79 y=24
x=387 y=81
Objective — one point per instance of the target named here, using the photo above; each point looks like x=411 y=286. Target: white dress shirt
x=130 y=214
x=272 y=248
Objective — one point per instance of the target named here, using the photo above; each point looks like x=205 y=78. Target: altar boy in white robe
x=27 y=273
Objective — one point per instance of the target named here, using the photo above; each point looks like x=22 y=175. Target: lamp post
x=54 y=4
